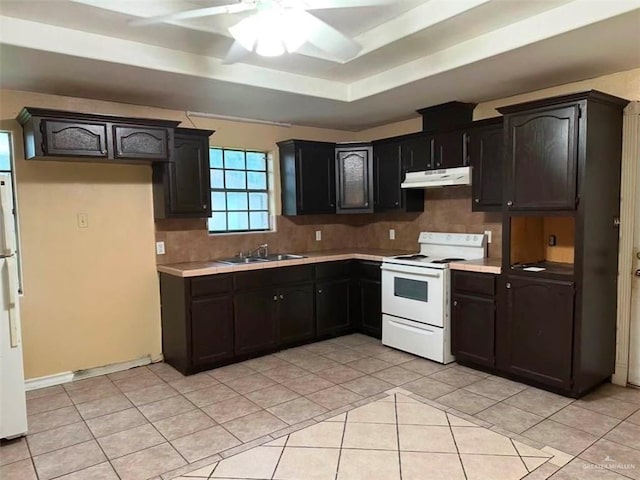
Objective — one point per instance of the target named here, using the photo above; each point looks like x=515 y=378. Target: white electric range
x=416 y=293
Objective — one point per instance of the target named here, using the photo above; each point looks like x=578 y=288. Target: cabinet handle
x=455 y=303
x=508 y=285
x=509 y=203
x=319 y=291
x=397 y=204
x=103 y=152
x=281 y=297
x=275 y=298
x=204 y=207
x=477 y=200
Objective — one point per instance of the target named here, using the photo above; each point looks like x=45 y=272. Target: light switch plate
x=488 y=234
x=318 y=235
x=392 y=234
x=83 y=220
x=159 y=248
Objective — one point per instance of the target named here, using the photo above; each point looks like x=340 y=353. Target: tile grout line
x=464 y=471
x=395 y=412
x=520 y=457
x=275 y=469
x=344 y=430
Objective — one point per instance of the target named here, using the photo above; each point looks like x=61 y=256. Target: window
x=239 y=191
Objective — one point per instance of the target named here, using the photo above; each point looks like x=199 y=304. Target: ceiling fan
x=278 y=26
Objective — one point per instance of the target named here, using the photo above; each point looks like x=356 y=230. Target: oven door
x=414 y=293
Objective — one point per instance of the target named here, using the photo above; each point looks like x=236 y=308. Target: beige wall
x=91 y=296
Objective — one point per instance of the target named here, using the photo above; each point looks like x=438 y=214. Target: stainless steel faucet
x=261 y=251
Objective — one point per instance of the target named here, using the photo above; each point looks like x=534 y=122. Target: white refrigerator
x=13 y=405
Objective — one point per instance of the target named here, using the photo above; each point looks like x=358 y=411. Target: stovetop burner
x=447 y=260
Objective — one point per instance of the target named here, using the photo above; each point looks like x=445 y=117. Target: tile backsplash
x=446 y=210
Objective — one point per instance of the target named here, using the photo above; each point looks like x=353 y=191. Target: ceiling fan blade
x=199 y=12
x=325 y=4
x=236 y=53
x=330 y=40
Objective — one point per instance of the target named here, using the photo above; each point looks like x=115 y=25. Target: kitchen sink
x=242 y=260
x=270 y=258
x=283 y=256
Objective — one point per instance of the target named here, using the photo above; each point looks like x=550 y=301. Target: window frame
x=225 y=190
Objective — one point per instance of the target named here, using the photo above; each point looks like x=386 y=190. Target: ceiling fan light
x=269 y=46
x=245 y=32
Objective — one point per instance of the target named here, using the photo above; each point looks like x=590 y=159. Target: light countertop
x=483 y=265
x=195 y=269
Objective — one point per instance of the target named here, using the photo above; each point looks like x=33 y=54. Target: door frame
x=629 y=199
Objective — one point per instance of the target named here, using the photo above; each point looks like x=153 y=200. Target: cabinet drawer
x=478 y=283
x=369 y=270
x=333 y=270
x=211 y=285
x=267 y=277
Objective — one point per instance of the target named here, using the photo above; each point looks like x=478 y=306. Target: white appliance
x=416 y=292
x=13 y=405
x=438 y=178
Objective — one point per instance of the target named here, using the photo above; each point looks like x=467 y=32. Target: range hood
x=438 y=178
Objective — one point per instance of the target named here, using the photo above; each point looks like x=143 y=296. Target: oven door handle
x=422 y=271
x=411 y=328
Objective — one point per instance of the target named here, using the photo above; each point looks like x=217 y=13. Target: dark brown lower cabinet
x=333 y=306
x=212 y=320
x=473 y=328
x=539 y=330
x=295 y=314
x=256 y=321
x=370 y=307
x=211 y=329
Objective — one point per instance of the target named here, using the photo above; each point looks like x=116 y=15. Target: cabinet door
x=188 y=177
x=256 y=322
x=417 y=153
x=473 y=329
x=371 y=307
x=316 y=179
x=540 y=329
x=296 y=313
x=388 y=174
x=211 y=330
x=354 y=179
x=332 y=306
x=542 y=155
x=144 y=143
x=485 y=156
x=449 y=151
x=74 y=139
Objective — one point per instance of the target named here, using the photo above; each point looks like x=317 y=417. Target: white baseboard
x=47 y=381
x=60 y=378
x=112 y=368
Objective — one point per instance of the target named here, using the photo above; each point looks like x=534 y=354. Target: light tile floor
x=152 y=422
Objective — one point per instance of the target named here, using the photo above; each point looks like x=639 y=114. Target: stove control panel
x=453 y=239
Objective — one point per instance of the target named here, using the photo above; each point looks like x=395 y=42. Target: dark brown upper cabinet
x=308 y=177
x=389 y=171
x=354 y=178
x=72 y=136
x=543 y=158
x=182 y=188
x=417 y=152
x=485 y=148
x=449 y=150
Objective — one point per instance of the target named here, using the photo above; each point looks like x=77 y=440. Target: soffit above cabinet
x=413 y=52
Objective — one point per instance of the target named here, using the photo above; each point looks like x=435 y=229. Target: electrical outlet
x=83 y=220
x=392 y=234
x=552 y=240
x=159 y=248
x=488 y=234
x=318 y=235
